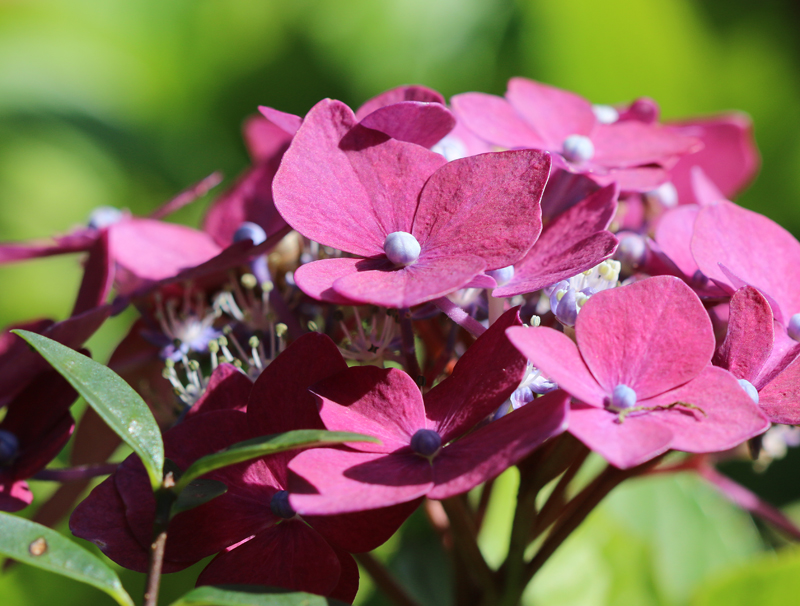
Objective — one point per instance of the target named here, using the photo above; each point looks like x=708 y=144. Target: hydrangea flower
x=642 y=376
x=421 y=227
x=426 y=448
x=582 y=139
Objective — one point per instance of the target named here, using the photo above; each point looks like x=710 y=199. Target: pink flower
x=424 y=448
x=420 y=227
x=642 y=374
x=581 y=137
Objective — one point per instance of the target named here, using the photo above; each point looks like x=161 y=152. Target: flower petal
x=412 y=121
x=486 y=205
x=399 y=94
x=487 y=452
x=384 y=403
x=632 y=143
x=485 y=376
x=651 y=336
x=228 y=389
x=332 y=481
x=14 y=495
x=494 y=120
x=316 y=278
x=748 y=343
x=558 y=358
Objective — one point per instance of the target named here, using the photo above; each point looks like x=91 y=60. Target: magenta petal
x=780 y=398
x=228 y=389
x=347 y=587
x=651 y=336
x=384 y=403
x=399 y=94
x=316 y=278
x=635 y=179
x=14 y=495
x=729 y=156
x=280 y=400
x=363 y=530
x=490 y=450
x=98 y=277
x=705 y=191
x=756 y=249
x=748 y=344
x=264 y=139
x=154 y=250
x=485 y=376
x=634 y=441
x=486 y=205
x=249 y=199
x=554 y=113
x=558 y=358
x=291 y=555
x=674 y=236
x=631 y=143
x=371 y=181
x=20 y=251
x=574 y=242
x=730 y=418
x=338 y=481
x=433 y=276
x=422 y=123
x=100 y=518
x=289 y=123
x=494 y=120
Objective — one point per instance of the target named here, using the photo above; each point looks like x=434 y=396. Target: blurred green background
x=126 y=103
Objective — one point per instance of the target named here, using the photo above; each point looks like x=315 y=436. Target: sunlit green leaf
x=252 y=596
x=39 y=546
x=267 y=445
x=113 y=399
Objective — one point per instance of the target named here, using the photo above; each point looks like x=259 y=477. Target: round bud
x=502 y=276
x=644 y=110
x=623 y=397
x=665 y=195
x=426 y=442
x=631 y=251
x=794 y=327
x=401 y=248
x=250 y=231
x=9 y=446
x=578 y=149
x=103 y=216
x=749 y=389
x=279 y=504
x=605 y=114
x=452 y=148
x=567 y=308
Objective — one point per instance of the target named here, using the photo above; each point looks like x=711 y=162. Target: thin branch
x=384 y=580
x=409 y=346
x=483 y=503
x=79 y=472
x=164 y=500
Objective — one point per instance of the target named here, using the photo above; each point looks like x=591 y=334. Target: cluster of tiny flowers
x=369 y=272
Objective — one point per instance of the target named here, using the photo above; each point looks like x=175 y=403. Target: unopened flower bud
x=502 y=276
x=250 y=231
x=279 y=505
x=578 y=149
x=9 y=447
x=402 y=248
x=426 y=442
x=623 y=397
x=794 y=327
x=749 y=389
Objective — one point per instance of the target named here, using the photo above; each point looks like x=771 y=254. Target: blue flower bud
x=623 y=397
x=9 y=447
x=401 y=248
x=749 y=389
x=567 y=309
x=665 y=194
x=502 y=276
x=794 y=327
x=578 y=149
x=279 y=504
x=631 y=251
x=426 y=442
x=103 y=216
x=250 y=231
x=605 y=114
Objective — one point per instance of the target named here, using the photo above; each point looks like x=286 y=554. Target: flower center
x=569 y=296
x=578 y=149
x=623 y=397
x=749 y=389
x=250 y=231
x=794 y=327
x=401 y=248
x=502 y=276
x=103 y=216
x=426 y=443
x=9 y=447
x=452 y=148
x=605 y=114
x=279 y=504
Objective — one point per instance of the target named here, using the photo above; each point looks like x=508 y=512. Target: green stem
x=384 y=580
x=409 y=346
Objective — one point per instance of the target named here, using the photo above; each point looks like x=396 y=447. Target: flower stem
x=409 y=347
x=164 y=500
x=460 y=317
x=384 y=580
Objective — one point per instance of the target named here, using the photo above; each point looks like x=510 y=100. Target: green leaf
x=197 y=493
x=252 y=596
x=267 y=445
x=113 y=399
x=39 y=546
